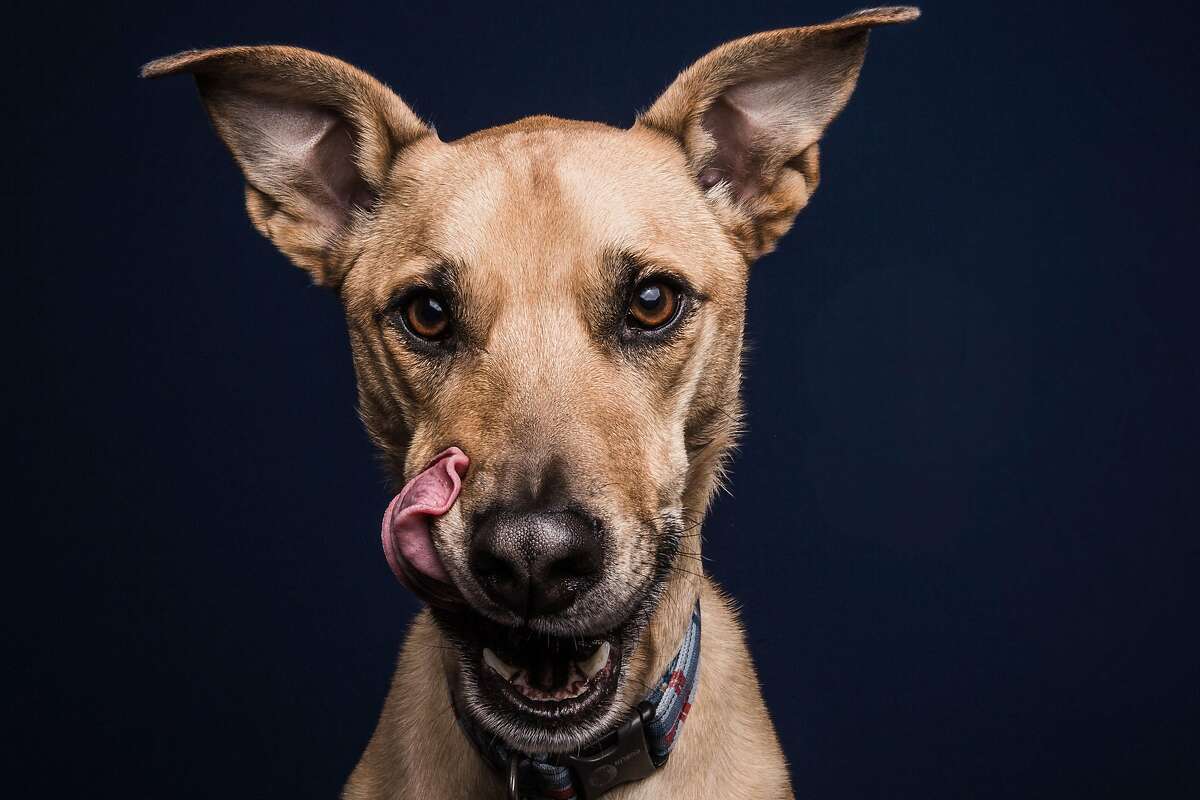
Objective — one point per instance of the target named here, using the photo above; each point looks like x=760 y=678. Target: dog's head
x=564 y=302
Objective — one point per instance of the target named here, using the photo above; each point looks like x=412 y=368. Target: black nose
x=538 y=563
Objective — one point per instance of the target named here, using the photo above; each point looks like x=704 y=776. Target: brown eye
x=426 y=316
x=653 y=305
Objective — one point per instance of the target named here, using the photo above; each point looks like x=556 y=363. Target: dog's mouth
x=522 y=678
x=548 y=674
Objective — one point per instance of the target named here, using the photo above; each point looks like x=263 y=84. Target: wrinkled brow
x=439 y=274
x=629 y=266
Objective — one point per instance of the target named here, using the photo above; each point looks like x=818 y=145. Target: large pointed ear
x=314 y=137
x=750 y=113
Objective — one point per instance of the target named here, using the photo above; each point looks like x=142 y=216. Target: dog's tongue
x=407 y=541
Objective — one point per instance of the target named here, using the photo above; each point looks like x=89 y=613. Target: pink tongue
x=406 y=536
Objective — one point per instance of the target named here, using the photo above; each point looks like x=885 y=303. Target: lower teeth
x=581 y=673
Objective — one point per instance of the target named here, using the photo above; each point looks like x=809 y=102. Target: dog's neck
x=631 y=752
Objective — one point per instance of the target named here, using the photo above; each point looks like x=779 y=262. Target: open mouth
x=528 y=676
x=552 y=673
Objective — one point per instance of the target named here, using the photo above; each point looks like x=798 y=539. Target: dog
x=546 y=320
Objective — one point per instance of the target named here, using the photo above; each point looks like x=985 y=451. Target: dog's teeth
x=504 y=670
x=596 y=661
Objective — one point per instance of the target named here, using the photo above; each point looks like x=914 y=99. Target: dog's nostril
x=493 y=569
x=536 y=564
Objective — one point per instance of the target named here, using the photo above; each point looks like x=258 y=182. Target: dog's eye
x=425 y=315
x=653 y=304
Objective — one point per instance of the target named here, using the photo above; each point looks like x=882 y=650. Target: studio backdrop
x=961 y=523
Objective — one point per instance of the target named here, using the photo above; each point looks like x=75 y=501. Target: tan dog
x=564 y=302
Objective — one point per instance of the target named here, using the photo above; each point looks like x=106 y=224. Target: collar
x=633 y=751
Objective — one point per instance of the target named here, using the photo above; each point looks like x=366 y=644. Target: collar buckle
x=623 y=756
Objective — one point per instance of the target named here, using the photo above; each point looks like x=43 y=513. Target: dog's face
x=557 y=300
x=564 y=302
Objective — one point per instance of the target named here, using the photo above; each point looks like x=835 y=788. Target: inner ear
x=292 y=148
x=749 y=116
x=732 y=160
x=314 y=137
x=333 y=158
x=762 y=123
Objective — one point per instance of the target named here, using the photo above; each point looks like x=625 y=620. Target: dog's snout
x=536 y=564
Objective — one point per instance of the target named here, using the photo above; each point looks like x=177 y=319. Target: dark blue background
x=963 y=522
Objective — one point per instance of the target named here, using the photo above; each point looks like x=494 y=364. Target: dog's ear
x=313 y=136
x=750 y=113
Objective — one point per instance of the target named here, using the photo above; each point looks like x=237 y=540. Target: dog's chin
x=539 y=692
